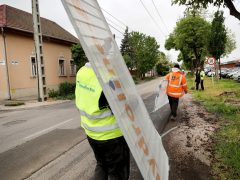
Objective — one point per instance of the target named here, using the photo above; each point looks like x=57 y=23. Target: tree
x=204 y=4
x=162 y=64
x=190 y=36
x=78 y=55
x=230 y=43
x=218 y=36
x=145 y=51
x=126 y=50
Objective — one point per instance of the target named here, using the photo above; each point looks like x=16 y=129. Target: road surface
x=47 y=142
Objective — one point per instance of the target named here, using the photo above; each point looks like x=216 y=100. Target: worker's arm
x=184 y=84
x=103 y=103
x=167 y=77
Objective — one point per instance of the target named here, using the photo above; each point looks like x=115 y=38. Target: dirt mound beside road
x=189 y=145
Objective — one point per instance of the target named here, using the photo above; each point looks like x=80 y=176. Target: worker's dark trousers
x=113 y=159
x=197 y=85
x=173 y=102
x=202 y=87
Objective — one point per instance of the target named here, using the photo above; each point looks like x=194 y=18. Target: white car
x=211 y=73
x=236 y=75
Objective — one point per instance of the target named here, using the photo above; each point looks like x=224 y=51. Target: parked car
x=236 y=75
x=239 y=78
x=224 y=72
x=207 y=70
x=231 y=72
x=211 y=73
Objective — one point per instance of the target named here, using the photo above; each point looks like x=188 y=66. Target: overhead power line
x=152 y=17
x=115 y=28
x=160 y=16
x=109 y=20
x=115 y=18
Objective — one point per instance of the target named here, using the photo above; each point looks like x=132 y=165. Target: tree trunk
x=233 y=11
x=219 y=68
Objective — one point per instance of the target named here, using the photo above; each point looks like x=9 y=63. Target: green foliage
x=170 y=42
x=196 y=4
x=218 y=36
x=52 y=93
x=66 y=88
x=128 y=61
x=230 y=43
x=162 y=65
x=222 y=98
x=67 y=97
x=145 y=50
x=78 y=56
x=127 y=51
x=190 y=37
x=14 y=103
x=162 y=69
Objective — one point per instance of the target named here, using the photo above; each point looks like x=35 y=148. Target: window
x=72 y=68
x=61 y=67
x=33 y=66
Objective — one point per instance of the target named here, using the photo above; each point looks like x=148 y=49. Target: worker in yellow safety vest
x=177 y=86
x=101 y=127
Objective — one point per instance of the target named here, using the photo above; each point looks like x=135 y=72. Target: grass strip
x=222 y=97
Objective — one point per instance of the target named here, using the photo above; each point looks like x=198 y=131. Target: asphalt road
x=48 y=143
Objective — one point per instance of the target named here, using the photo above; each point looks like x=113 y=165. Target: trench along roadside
x=188 y=144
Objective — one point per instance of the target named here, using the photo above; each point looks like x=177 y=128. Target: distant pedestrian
x=199 y=78
x=101 y=127
x=177 y=86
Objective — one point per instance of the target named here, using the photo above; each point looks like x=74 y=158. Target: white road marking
x=170 y=130
x=46 y=130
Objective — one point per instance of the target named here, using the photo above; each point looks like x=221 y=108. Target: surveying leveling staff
x=100 y=125
x=177 y=86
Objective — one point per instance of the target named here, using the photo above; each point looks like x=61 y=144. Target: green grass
x=14 y=103
x=222 y=97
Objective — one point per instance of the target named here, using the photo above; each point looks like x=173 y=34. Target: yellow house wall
x=20 y=49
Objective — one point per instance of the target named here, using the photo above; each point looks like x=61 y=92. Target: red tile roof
x=17 y=19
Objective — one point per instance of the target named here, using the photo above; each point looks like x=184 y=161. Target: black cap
x=176 y=66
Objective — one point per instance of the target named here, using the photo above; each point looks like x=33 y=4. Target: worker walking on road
x=101 y=127
x=177 y=86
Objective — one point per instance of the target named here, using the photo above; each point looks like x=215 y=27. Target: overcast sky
x=157 y=23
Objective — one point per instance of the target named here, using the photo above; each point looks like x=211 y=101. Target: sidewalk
x=28 y=104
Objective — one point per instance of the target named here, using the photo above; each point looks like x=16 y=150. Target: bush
x=14 y=104
x=162 y=69
x=52 y=93
x=66 y=88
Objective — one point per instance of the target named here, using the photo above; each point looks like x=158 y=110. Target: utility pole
x=6 y=64
x=42 y=89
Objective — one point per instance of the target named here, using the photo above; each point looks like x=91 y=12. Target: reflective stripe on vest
x=175 y=94
x=173 y=85
x=99 y=124
x=96 y=117
x=100 y=128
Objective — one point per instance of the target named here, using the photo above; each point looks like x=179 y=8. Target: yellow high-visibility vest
x=98 y=124
x=202 y=75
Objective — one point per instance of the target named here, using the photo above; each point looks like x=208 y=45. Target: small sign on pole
x=211 y=61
